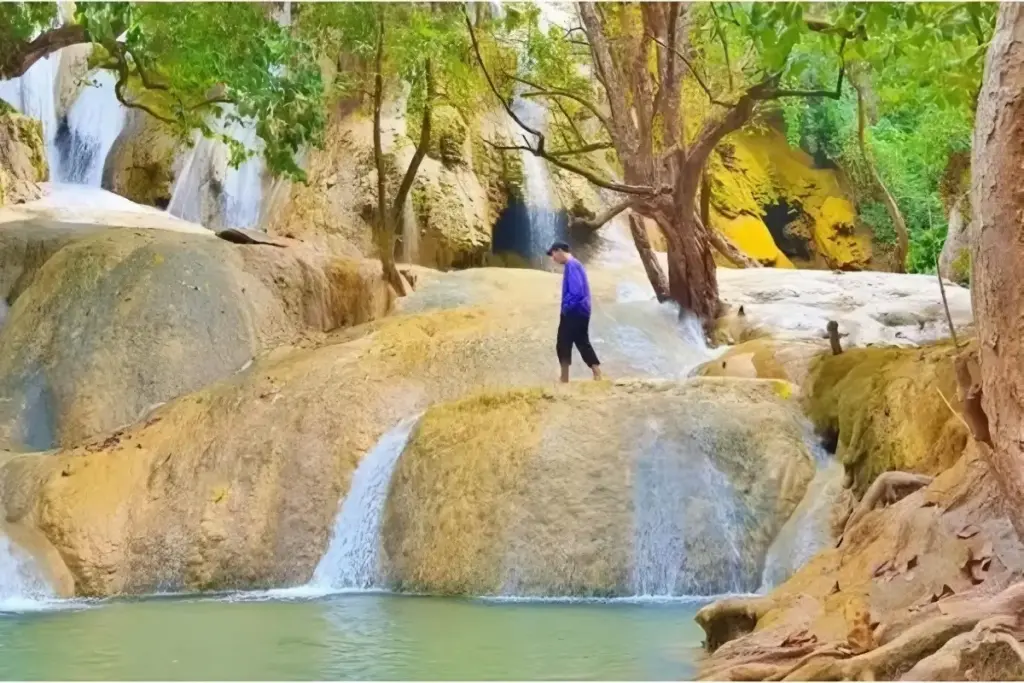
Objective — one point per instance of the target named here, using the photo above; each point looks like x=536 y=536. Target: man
x=573 y=328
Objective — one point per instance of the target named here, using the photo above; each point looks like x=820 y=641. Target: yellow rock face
x=766 y=358
x=754 y=169
x=886 y=408
x=559 y=492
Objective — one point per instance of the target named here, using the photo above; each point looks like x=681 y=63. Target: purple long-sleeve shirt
x=575 y=289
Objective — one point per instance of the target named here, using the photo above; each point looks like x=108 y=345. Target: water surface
x=360 y=636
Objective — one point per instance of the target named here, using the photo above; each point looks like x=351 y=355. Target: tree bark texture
x=997 y=244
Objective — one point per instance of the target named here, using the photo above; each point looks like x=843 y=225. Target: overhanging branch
x=17 y=60
x=572 y=168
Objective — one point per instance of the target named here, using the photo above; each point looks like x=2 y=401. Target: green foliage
x=413 y=33
x=184 y=61
x=921 y=67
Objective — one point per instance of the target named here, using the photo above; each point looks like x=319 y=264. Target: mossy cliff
x=769 y=198
x=22 y=157
x=888 y=409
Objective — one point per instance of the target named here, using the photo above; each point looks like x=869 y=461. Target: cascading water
x=33 y=95
x=21 y=585
x=84 y=140
x=209 y=191
x=352 y=560
x=539 y=197
x=808 y=530
x=665 y=485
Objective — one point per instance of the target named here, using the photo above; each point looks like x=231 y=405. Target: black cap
x=558 y=246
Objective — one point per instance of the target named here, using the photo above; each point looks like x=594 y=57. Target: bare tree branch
x=421 y=147
x=585 y=149
x=725 y=43
x=490 y=82
x=557 y=92
x=593 y=178
x=603 y=217
x=700 y=79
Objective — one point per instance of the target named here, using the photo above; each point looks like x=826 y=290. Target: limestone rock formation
x=870 y=307
x=888 y=409
x=776 y=206
x=490 y=497
x=22 y=157
x=111 y=322
x=140 y=163
x=766 y=358
x=450 y=203
x=237 y=484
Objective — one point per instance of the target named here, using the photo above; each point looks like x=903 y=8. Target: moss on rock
x=757 y=169
x=22 y=158
x=887 y=410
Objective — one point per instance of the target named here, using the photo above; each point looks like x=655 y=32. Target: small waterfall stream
x=207 y=190
x=352 y=560
x=83 y=141
x=21 y=584
x=542 y=208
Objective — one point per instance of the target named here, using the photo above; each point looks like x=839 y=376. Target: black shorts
x=575 y=329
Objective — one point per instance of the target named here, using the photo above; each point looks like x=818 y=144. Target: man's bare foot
x=564 y=379
x=597 y=373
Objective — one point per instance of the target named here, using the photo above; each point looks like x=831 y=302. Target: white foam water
x=22 y=586
x=352 y=560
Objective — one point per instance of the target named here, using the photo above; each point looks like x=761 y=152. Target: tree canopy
x=184 y=62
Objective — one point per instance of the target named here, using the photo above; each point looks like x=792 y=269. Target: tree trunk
x=692 y=281
x=997 y=244
x=650 y=260
x=898 y=222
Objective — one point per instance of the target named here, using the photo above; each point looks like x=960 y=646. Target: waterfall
x=33 y=94
x=666 y=484
x=83 y=141
x=21 y=584
x=539 y=196
x=352 y=560
x=410 y=232
x=807 y=531
x=209 y=191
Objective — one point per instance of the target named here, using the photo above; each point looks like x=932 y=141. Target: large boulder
x=596 y=490
x=104 y=324
x=140 y=163
x=22 y=157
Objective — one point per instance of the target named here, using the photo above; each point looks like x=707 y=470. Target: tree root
x=947 y=662
x=919 y=641
x=731 y=618
x=887 y=489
